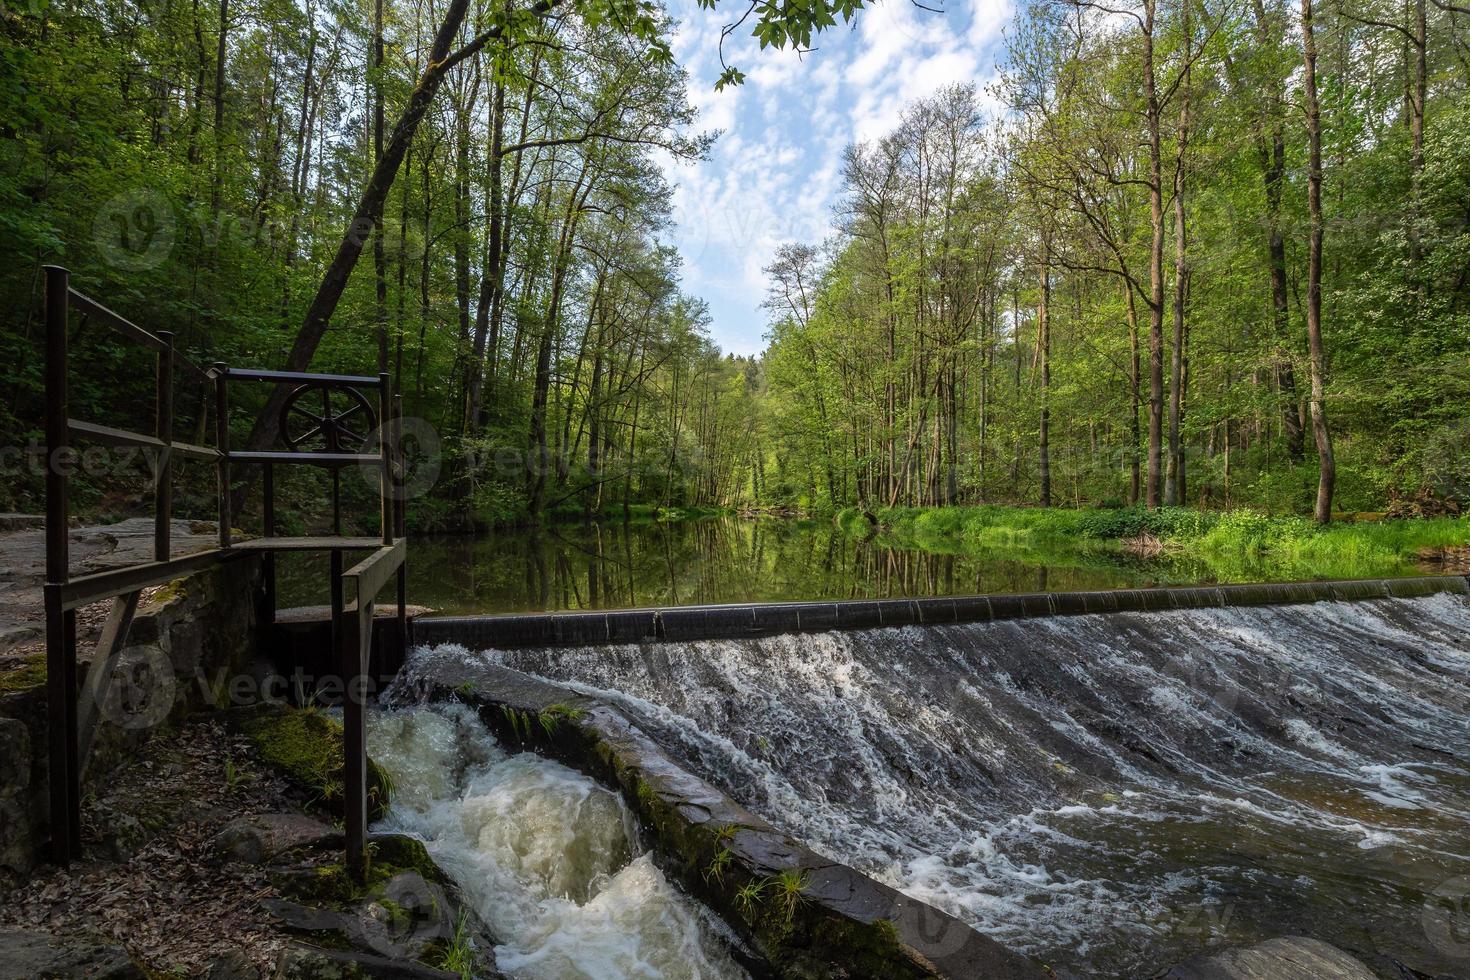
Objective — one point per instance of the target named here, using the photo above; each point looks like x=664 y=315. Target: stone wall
x=189 y=643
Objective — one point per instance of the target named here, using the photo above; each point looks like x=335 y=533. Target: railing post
x=222 y=446
x=163 y=428
x=268 y=508
x=354 y=731
x=398 y=522
x=385 y=454
x=61 y=661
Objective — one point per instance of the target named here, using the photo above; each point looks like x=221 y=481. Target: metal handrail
x=63 y=594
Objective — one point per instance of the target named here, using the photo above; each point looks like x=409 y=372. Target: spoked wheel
x=326 y=419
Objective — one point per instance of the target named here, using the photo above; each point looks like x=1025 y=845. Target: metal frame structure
x=72 y=723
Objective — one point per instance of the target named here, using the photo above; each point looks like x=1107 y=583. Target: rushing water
x=728 y=559
x=1110 y=794
x=549 y=859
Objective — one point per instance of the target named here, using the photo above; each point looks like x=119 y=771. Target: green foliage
x=718 y=865
x=551 y=717
x=906 y=363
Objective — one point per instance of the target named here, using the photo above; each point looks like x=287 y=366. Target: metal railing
x=72 y=720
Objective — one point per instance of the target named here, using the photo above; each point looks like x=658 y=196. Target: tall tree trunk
x=1174 y=491
x=1135 y=396
x=221 y=55
x=1043 y=353
x=491 y=279
x=1153 y=113
x=380 y=259
x=1317 y=354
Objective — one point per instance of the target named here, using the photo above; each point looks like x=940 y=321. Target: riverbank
x=1230 y=546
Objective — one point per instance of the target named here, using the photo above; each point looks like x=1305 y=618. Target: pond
x=730 y=559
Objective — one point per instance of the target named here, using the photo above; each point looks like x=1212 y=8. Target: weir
x=1108 y=793
x=736 y=621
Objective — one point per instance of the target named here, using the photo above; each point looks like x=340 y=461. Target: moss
x=305 y=746
x=389 y=855
x=396 y=853
x=28 y=675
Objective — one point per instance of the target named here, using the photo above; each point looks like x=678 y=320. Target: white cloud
x=775 y=174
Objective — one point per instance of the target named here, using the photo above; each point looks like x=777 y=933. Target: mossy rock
x=305 y=746
x=28 y=675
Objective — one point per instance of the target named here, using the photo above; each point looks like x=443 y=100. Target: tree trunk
x=1175 y=484
x=1317 y=355
x=1153 y=113
x=1043 y=352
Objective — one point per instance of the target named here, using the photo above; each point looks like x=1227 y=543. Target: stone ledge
x=805 y=915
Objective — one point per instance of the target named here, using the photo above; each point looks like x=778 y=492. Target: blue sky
x=773 y=175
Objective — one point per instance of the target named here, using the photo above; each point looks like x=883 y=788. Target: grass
x=790 y=886
x=458 y=957
x=1235 y=545
x=748 y=897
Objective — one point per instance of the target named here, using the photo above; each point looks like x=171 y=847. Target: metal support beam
x=163 y=428
x=366 y=578
x=99 y=675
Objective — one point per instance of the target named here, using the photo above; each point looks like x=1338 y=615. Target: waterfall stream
x=548 y=859
x=1110 y=793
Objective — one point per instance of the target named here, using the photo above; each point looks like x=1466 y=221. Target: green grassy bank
x=1237 y=545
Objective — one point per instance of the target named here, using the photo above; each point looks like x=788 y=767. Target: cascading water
x=548 y=858
x=1108 y=793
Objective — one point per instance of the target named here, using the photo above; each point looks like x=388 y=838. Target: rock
x=17 y=833
x=231 y=966
x=264 y=836
x=405 y=917
x=123 y=834
x=1285 y=958
x=32 y=955
x=304 y=962
x=10 y=523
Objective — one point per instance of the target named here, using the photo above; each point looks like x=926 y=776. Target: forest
x=1175 y=253
x=1212 y=254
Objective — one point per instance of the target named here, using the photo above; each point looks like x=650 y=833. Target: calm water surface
x=729 y=559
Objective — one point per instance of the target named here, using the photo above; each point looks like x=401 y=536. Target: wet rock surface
x=307 y=962
x=1287 y=958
